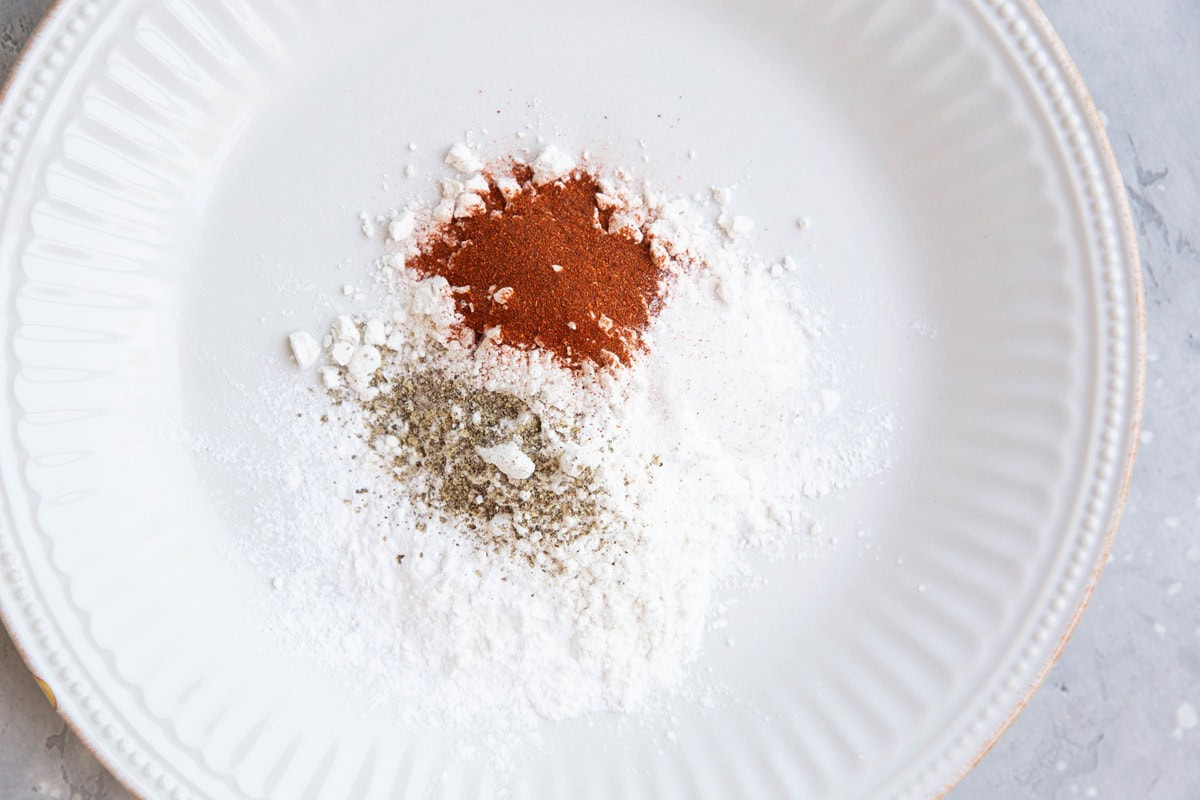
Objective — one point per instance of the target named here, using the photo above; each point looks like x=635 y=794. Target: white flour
x=710 y=447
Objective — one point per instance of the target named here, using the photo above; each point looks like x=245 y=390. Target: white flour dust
x=711 y=447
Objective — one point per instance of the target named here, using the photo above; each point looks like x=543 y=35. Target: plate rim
x=1121 y=214
x=1127 y=235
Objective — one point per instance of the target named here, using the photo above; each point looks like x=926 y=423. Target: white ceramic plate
x=172 y=171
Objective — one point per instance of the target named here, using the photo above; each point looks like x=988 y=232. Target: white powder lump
x=331 y=377
x=553 y=164
x=374 y=332
x=305 y=349
x=366 y=225
x=402 y=226
x=469 y=204
x=363 y=364
x=477 y=184
x=509 y=459
x=341 y=353
x=735 y=226
x=723 y=195
x=509 y=186
x=463 y=159
x=345 y=330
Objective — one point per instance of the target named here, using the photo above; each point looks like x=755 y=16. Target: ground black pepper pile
x=428 y=427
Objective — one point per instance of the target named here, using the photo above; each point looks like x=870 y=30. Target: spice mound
x=488 y=385
x=487 y=459
x=545 y=266
x=577 y=410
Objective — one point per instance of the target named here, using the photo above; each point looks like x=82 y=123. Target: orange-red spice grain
x=542 y=267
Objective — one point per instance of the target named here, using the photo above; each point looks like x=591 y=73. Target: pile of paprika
x=539 y=268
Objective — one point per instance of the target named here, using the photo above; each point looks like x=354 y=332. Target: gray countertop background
x=1116 y=719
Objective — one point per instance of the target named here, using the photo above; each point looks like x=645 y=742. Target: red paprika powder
x=542 y=267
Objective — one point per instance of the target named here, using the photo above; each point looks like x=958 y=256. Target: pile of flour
x=712 y=446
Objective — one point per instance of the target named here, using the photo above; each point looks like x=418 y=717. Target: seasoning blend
x=543 y=266
x=579 y=407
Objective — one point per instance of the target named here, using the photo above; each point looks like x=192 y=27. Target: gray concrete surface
x=1107 y=723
